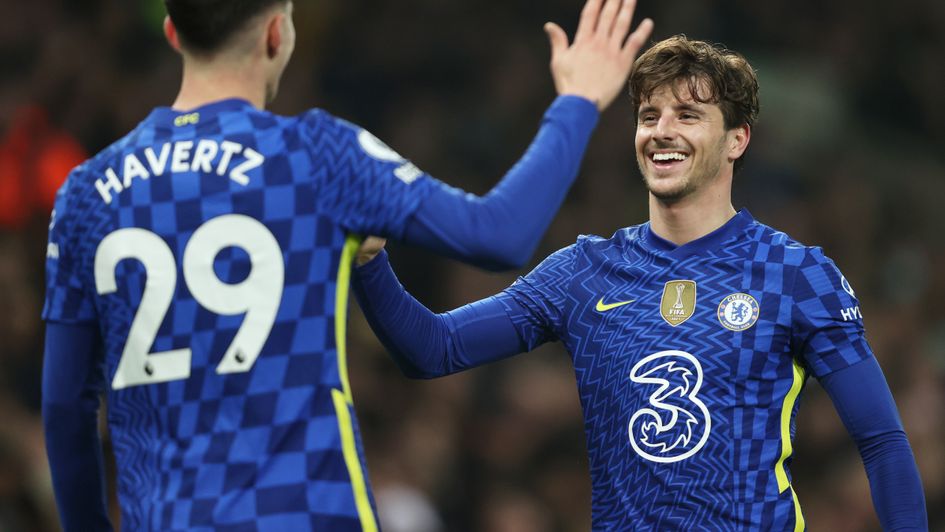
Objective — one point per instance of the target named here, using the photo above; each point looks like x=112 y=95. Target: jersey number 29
x=258 y=296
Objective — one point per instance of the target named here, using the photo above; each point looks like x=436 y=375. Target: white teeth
x=674 y=156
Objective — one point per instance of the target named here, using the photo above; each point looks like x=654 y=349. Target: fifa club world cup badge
x=678 y=302
x=738 y=312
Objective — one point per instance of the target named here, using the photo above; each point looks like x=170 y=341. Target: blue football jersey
x=689 y=363
x=212 y=249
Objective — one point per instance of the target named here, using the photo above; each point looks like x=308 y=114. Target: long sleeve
x=866 y=406
x=71 y=387
x=424 y=344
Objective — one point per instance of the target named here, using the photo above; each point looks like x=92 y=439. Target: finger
x=607 y=16
x=373 y=242
x=557 y=38
x=637 y=39
x=622 y=24
x=588 y=22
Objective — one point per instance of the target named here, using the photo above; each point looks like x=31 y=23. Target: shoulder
x=597 y=245
x=816 y=274
x=317 y=120
x=112 y=156
x=586 y=249
x=81 y=179
x=78 y=201
x=321 y=127
x=313 y=118
x=563 y=258
x=774 y=243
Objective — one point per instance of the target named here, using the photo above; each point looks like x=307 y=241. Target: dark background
x=849 y=154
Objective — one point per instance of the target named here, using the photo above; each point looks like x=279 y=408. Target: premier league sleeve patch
x=738 y=312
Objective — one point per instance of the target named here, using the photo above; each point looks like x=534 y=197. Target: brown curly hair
x=713 y=74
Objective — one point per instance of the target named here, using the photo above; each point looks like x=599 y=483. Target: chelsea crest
x=738 y=312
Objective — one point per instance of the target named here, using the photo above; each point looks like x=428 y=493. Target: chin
x=668 y=189
x=669 y=196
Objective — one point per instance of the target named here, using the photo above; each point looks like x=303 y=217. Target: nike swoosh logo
x=604 y=307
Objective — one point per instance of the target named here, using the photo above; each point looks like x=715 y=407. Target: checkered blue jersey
x=211 y=250
x=689 y=363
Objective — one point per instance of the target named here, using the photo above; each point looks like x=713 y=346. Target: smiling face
x=682 y=144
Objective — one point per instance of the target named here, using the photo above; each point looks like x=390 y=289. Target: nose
x=664 y=128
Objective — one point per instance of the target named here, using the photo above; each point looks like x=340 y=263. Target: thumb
x=557 y=38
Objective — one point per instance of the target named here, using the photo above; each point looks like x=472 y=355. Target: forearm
x=76 y=462
x=867 y=409
x=424 y=344
x=894 y=481
x=70 y=422
x=502 y=229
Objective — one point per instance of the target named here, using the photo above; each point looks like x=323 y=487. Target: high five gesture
x=597 y=64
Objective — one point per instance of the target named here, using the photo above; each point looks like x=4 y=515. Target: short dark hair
x=713 y=74
x=204 y=26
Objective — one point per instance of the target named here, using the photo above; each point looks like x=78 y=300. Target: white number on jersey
x=258 y=296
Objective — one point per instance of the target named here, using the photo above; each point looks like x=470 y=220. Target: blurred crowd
x=849 y=154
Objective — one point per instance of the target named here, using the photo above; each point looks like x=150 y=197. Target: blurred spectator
x=847 y=154
x=35 y=158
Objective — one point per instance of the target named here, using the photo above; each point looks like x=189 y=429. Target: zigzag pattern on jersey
x=599 y=370
x=131 y=412
x=338 y=166
x=543 y=294
x=131 y=444
x=731 y=482
x=702 y=484
x=628 y=490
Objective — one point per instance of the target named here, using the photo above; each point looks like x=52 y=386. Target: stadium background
x=849 y=154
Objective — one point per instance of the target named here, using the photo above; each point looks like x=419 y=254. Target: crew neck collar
x=733 y=226
x=168 y=114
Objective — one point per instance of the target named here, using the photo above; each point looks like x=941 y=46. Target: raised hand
x=597 y=64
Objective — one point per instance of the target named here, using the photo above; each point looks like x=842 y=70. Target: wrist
x=580 y=101
x=369 y=262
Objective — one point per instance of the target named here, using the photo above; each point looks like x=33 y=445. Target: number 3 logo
x=258 y=296
x=677 y=424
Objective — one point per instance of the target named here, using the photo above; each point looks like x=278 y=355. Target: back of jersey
x=211 y=249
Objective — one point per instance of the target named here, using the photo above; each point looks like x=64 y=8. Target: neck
x=206 y=82
x=694 y=216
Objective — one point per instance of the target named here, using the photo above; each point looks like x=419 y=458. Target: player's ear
x=274 y=35
x=738 y=141
x=170 y=32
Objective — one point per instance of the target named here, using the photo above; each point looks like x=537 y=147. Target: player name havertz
x=207 y=156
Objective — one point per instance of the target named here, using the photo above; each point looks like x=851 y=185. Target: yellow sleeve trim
x=342 y=287
x=353 y=462
x=342 y=399
x=799 y=525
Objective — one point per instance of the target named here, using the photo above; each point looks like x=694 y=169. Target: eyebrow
x=680 y=107
x=689 y=107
